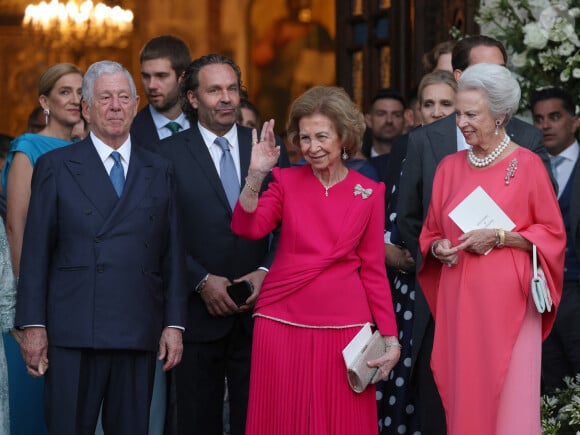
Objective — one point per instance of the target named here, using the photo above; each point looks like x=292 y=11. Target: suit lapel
x=196 y=148
x=575 y=206
x=443 y=137
x=139 y=177
x=245 y=144
x=88 y=171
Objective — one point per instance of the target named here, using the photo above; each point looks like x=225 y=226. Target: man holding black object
x=211 y=162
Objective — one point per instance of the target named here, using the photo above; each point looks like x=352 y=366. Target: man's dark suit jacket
x=210 y=245
x=143 y=130
x=94 y=267
x=575 y=209
x=426 y=147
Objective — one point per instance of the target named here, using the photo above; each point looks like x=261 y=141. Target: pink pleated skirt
x=298 y=383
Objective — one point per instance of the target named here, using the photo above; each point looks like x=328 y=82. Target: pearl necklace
x=487 y=160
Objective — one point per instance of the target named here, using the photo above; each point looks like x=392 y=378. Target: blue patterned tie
x=117 y=174
x=228 y=172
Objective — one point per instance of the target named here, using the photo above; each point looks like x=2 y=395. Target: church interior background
x=282 y=46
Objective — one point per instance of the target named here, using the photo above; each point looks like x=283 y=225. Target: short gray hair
x=497 y=83
x=99 y=69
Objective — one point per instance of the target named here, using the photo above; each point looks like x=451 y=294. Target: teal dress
x=33 y=145
x=26 y=393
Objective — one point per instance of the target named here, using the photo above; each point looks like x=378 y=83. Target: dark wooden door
x=380 y=43
x=372 y=46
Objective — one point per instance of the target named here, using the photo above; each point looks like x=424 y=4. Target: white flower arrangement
x=541 y=38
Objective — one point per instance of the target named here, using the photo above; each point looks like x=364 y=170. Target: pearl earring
x=46 y=115
x=344 y=154
x=497 y=124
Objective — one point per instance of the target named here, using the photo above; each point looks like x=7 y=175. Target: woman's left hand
x=478 y=241
x=386 y=363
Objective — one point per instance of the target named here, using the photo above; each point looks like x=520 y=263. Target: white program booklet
x=478 y=210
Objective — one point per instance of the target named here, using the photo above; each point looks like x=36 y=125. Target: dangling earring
x=344 y=154
x=497 y=124
x=46 y=115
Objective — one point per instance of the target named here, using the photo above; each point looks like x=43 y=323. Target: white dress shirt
x=566 y=167
x=461 y=144
x=161 y=121
x=105 y=151
x=216 y=152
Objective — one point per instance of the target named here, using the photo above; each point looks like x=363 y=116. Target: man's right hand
x=216 y=298
x=34 y=349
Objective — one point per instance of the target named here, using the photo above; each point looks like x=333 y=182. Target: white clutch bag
x=365 y=346
x=540 y=290
x=360 y=375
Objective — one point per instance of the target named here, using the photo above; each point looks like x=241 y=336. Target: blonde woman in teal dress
x=59 y=94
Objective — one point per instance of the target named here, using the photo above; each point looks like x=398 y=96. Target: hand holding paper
x=478 y=211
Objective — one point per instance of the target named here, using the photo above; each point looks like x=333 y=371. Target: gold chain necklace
x=328 y=186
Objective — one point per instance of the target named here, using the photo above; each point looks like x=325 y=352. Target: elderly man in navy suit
x=102 y=274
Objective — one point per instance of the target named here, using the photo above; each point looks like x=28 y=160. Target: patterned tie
x=228 y=172
x=117 y=174
x=173 y=126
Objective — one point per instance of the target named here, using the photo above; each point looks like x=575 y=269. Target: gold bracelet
x=249 y=186
x=500 y=238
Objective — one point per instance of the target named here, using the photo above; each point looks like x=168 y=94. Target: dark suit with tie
x=213 y=346
x=105 y=275
x=143 y=129
x=561 y=349
x=426 y=147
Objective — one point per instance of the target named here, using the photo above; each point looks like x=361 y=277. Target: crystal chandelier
x=74 y=26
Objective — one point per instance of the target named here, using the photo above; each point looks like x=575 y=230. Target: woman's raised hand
x=265 y=152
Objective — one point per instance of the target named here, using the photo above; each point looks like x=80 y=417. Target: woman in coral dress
x=328 y=277
x=488 y=333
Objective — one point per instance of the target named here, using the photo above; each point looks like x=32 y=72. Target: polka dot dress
x=395 y=403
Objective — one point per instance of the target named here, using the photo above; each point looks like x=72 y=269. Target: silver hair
x=99 y=69
x=497 y=83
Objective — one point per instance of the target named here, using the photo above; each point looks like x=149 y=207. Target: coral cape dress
x=479 y=305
